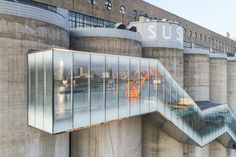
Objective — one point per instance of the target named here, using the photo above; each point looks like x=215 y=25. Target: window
x=190 y=33
x=93 y=2
x=134 y=14
x=108 y=5
x=122 y=10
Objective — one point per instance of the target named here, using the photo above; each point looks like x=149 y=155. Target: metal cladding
x=59 y=18
x=218 y=78
x=196 y=73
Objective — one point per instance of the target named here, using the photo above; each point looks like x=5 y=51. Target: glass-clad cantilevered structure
x=69 y=90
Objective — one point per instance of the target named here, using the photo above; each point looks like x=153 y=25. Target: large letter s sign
x=151 y=29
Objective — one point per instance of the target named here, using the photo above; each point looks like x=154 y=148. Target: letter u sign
x=166 y=32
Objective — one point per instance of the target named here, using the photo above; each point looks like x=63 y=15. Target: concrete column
x=218 y=78
x=231 y=152
x=17 y=36
x=156 y=143
x=195 y=151
x=231 y=79
x=217 y=150
x=117 y=139
x=196 y=84
x=171 y=58
x=196 y=76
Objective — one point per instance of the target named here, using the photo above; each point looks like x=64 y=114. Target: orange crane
x=134 y=91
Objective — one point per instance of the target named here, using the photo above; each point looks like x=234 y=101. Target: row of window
x=78 y=20
x=36 y=4
x=215 y=43
x=108 y=5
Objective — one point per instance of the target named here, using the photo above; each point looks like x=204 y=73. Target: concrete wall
x=172 y=59
x=17 y=36
x=196 y=76
x=117 y=139
x=218 y=80
x=231 y=80
x=107 y=45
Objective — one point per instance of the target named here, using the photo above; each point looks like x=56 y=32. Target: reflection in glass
x=145 y=76
x=160 y=89
x=31 y=89
x=134 y=86
x=155 y=80
x=39 y=89
x=111 y=77
x=97 y=88
x=62 y=91
x=123 y=87
x=81 y=89
x=48 y=91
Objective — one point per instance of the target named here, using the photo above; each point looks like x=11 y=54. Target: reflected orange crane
x=134 y=91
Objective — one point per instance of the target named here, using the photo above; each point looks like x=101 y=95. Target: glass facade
x=78 y=20
x=69 y=90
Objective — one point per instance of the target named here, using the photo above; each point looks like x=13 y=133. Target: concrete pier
x=196 y=74
x=172 y=59
x=218 y=78
x=155 y=142
x=116 y=139
x=231 y=83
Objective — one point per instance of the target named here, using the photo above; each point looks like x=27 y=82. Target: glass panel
x=97 y=88
x=62 y=91
x=31 y=89
x=174 y=102
x=111 y=88
x=81 y=90
x=167 y=93
x=123 y=87
x=155 y=80
x=134 y=86
x=39 y=89
x=145 y=75
x=48 y=91
x=160 y=89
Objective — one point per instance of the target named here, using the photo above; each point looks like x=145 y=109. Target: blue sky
x=217 y=15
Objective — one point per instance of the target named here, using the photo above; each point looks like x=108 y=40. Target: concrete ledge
x=32 y=12
x=196 y=51
x=218 y=55
x=231 y=58
x=105 y=32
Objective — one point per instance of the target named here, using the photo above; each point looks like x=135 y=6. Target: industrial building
x=113 y=78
